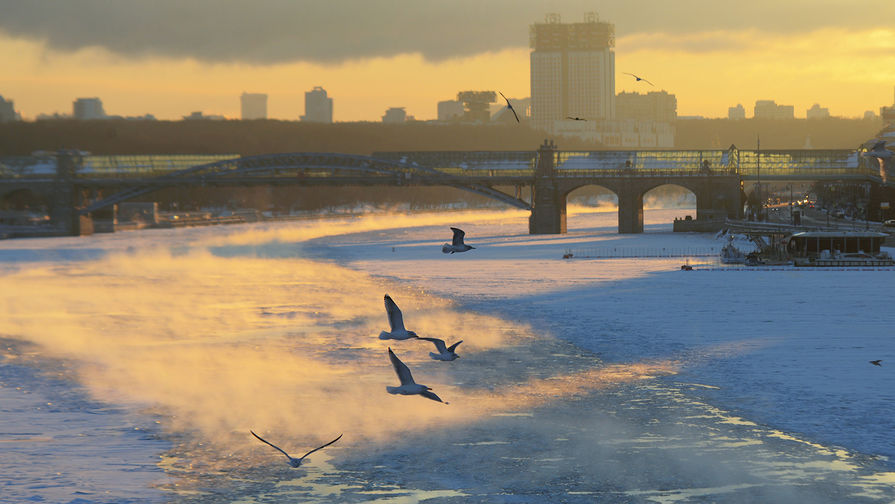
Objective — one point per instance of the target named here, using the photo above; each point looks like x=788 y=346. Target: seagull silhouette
x=408 y=386
x=638 y=78
x=445 y=353
x=395 y=322
x=294 y=462
x=575 y=118
x=877 y=362
x=510 y=106
x=456 y=244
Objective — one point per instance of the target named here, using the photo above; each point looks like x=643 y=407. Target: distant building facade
x=572 y=70
x=817 y=112
x=888 y=113
x=253 y=106
x=500 y=113
x=395 y=115
x=318 y=106
x=737 y=113
x=88 y=108
x=768 y=109
x=199 y=116
x=476 y=105
x=658 y=106
x=7 y=111
x=620 y=133
x=449 y=110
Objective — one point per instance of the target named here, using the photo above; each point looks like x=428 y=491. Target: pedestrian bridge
x=714 y=176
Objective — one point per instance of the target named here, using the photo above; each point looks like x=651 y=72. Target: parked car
x=889 y=223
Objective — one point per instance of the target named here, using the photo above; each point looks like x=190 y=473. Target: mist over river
x=135 y=364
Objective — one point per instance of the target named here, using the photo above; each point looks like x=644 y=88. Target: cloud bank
x=279 y=31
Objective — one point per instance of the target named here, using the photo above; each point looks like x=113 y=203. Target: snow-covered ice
x=135 y=364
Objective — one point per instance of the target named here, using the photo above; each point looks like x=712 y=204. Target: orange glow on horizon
x=847 y=71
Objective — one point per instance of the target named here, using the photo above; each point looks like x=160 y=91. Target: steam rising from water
x=237 y=332
x=219 y=343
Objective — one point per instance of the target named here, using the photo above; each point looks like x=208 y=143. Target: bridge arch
x=306 y=169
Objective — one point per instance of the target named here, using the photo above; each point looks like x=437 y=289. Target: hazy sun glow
x=847 y=71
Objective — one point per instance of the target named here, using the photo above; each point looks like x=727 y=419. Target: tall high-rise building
x=318 y=106
x=253 y=105
x=7 y=111
x=572 y=70
x=88 y=108
x=658 y=106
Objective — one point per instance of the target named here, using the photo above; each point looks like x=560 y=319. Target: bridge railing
x=749 y=164
x=113 y=166
x=143 y=165
x=27 y=166
x=644 y=163
x=473 y=163
x=806 y=163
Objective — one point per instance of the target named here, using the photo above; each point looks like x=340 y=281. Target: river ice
x=135 y=364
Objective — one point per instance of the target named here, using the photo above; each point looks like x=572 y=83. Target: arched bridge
x=714 y=176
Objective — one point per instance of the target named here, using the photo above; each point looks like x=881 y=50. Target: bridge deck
x=494 y=167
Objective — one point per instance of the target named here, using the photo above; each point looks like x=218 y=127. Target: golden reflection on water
x=289 y=346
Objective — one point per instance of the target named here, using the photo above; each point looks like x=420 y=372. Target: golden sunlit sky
x=170 y=58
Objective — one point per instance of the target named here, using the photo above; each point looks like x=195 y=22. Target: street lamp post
x=758 y=179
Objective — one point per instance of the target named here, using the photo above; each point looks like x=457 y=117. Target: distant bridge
x=714 y=176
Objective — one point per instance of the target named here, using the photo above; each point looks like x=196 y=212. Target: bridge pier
x=64 y=212
x=719 y=198
x=548 y=212
x=630 y=209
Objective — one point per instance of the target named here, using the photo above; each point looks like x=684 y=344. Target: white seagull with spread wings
x=395 y=322
x=294 y=462
x=456 y=244
x=445 y=353
x=408 y=386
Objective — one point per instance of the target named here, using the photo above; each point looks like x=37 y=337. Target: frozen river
x=135 y=364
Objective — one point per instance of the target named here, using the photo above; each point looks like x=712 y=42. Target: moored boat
x=838 y=249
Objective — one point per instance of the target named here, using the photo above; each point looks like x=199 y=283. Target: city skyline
x=831 y=56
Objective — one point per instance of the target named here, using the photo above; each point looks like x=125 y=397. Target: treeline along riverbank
x=272 y=136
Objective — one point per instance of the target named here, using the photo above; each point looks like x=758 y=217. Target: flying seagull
x=395 y=322
x=510 y=106
x=294 y=462
x=456 y=244
x=576 y=118
x=445 y=353
x=877 y=362
x=408 y=386
x=638 y=79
